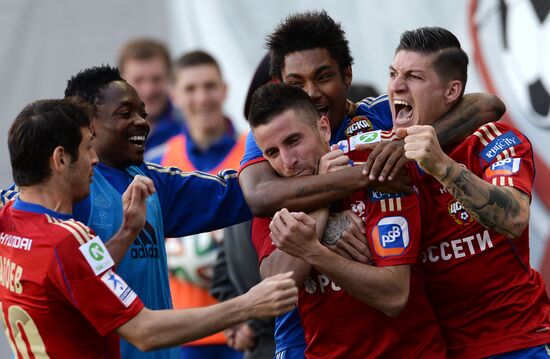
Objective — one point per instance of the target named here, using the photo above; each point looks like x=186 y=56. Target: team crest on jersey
x=458 y=213
x=359 y=208
x=498 y=145
x=391 y=236
x=358 y=124
x=506 y=167
x=119 y=287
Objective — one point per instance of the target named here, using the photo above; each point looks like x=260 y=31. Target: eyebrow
x=408 y=71
x=317 y=71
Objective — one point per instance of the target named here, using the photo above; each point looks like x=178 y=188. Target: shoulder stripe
x=494 y=128
x=481 y=139
x=73 y=231
x=51 y=219
x=371 y=101
x=85 y=230
x=174 y=171
x=488 y=134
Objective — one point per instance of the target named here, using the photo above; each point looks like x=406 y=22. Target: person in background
x=147 y=66
x=236 y=269
x=210 y=144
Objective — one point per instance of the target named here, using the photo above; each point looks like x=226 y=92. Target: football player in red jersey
x=59 y=294
x=381 y=318
x=475 y=209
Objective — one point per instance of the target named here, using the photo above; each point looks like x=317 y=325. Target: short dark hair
x=144 y=49
x=273 y=99
x=306 y=31
x=195 y=58
x=451 y=62
x=88 y=84
x=37 y=130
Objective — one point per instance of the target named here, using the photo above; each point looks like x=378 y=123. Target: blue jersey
x=376 y=110
x=288 y=330
x=185 y=203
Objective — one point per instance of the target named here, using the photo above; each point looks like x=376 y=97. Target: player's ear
x=59 y=159
x=348 y=77
x=324 y=128
x=453 y=91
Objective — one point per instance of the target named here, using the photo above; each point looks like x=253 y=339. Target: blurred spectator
x=210 y=144
x=146 y=65
x=236 y=268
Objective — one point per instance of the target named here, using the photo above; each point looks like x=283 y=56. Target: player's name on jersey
x=10 y=275
x=458 y=248
x=15 y=241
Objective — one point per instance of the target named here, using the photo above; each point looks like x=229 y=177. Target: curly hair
x=306 y=31
x=88 y=83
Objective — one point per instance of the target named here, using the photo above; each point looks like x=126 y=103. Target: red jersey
x=58 y=294
x=336 y=325
x=486 y=296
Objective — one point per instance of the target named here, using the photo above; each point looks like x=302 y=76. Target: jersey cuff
x=251 y=162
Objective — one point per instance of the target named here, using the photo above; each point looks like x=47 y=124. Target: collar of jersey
x=36 y=208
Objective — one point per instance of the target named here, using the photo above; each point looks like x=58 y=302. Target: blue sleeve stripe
x=173 y=171
x=370 y=101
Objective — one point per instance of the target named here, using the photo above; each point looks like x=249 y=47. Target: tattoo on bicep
x=336 y=224
x=458 y=124
x=493 y=207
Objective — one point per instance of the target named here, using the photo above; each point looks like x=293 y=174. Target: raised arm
x=133 y=218
x=502 y=209
x=471 y=112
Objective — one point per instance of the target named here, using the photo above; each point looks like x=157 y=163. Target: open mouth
x=403 y=112
x=138 y=141
x=322 y=109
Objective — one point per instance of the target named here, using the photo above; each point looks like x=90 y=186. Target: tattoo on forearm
x=494 y=207
x=311 y=190
x=336 y=224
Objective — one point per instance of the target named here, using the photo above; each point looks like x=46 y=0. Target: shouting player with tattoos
x=474 y=208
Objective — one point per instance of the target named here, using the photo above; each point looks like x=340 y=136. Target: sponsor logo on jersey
x=97 y=255
x=458 y=248
x=498 y=145
x=364 y=139
x=506 y=167
x=391 y=236
x=320 y=282
x=378 y=196
x=358 y=124
x=16 y=242
x=458 y=213
x=119 y=287
x=145 y=246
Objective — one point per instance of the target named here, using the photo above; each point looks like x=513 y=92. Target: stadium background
x=44 y=42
